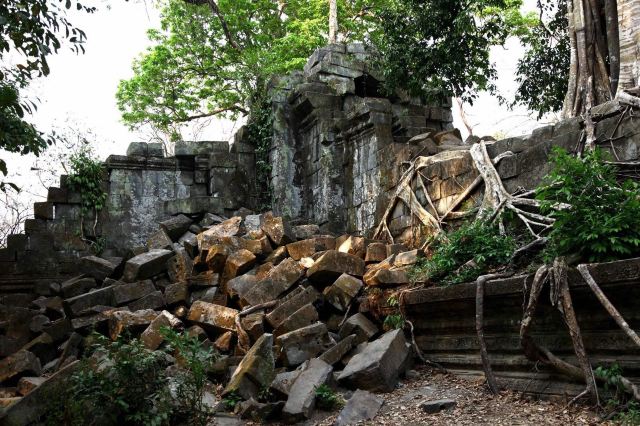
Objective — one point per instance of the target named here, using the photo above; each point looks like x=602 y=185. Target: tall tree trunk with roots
x=605 y=52
x=333 y=21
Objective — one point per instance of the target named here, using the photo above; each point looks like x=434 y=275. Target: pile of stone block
x=284 y=305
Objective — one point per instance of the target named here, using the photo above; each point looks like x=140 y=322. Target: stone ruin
x=184 y=249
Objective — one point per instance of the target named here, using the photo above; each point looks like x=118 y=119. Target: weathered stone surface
x=253 y=324
x=334 y=263
x=258 y=411
x=159 y=240
x=238 y=263
x=77 y=286
x=395 y=249
x=279 y=280
x=342 y=292
x=176 y=293
x=217 y=256
x=152 y=337
x=283 y=381
x=379 y=365
x=176 y=226
x=278 y=255
x=387 y=277
x=256 y=371
x=204 y=280
x=223 y=343
x=302 y=395
x=361 y=406
x=376 y=252
x=20 y=362
x=283 y=311
x=436 y=406
x=125 y=293
x=153 y=300
x=307 y=248
x=228 y=228
x=126 y=320
x=102 y=296
x=303 y=344
x=217 y=316
x=352 y=245
x=302 y=232
x=27 y=384
x=277 y=229
x=180 y=266
x=96 y=267
x=146 y=265
x=407 y=258
x=337 y=352
x=359 y=325
x=239 y=286
x=303 y=317
x=190 y=243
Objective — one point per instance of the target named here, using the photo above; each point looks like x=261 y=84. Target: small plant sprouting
x=231 y=400
x=326 y=398
x=393 y=322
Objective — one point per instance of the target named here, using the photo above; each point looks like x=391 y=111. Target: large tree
x=213 y=58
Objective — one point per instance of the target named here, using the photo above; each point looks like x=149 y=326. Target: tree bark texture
x=629 y=43
x=333 y=21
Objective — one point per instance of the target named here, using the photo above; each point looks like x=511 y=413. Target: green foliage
x=128 y=386
x=393 y=322
x=192 y=379
x=86 y=177
x=326 y=398
x=231 y=400
x=603 y=220
x=393 y=302
x=616 y=397
x=611 y=376
x=630 y=416
x=441 y=47
x=543 y=71
x=462 y=255
x=260 y=134
x=197 y=69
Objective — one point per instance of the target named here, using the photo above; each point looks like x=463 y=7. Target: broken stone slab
x=209 y=295
x=239 y=286
x=76 y=305
x=228 y=228
x=342 y=292
x=302 y=395
x=283 y=381
x=38 y=322
x=387 y=277
x=279 y=280
x=361 y=406
x=180 y=266
x=378 y=367
x=159 y=240
x=127 y=292
x=36 y=403
x=58 y=329
x=352 y=245
x=334 y=263
x=285 y=309
x=176 y=226
x=359 y=325
x=27 y=384
x=154 y=300
x=393 y=249
x=277 y=229
x=303 y=317
x=307 y=248
x=176 y=293
x=277 y=255
x=21 y=362
x=303 y=232
x=217 y=256
x=190 y=243
x=217 y=316
x=96 y=267
x=204 y=280
x=77 y=286
x=407 y=258
x=303 y=344
x=152 y=337
x=432 y=407
x=376 y=252
x=238 y=263
x=120 y=321
x=256 y=371
x=258 y=411
x=336 y=353
x=70 y=350
x=223 y=343
x=146 y=265
x=253 y=324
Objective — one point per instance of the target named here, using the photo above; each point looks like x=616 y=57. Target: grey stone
x=176 y=226
x=125 y=293
x=361 y=406
x=378 y=367
x=75 y=305
x=256 y=371
x=302 y=394
x=284 y=310
x=122 y=320
x=336 y=353
x=283 y=381
x=277 y=229
x=77 y=286
x=96 y=267
x=146 y=265
x=153 y=300
x=159 y=240
x=303 y=344
x=342 y=292
x=359 y=325
x=303 y=317
x=279 y=280
x=432 y=407
x=176 y=293
x=20 y=362
x=334 y=263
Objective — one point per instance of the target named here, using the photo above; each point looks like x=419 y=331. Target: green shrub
x=462 y=255
x=393 y=322
x=231 y=400
x=326 y=398
x=126 y=387
x=86 y=177
x=603 y=222
x=196 y=361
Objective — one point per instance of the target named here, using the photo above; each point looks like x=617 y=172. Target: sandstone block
x=277 y=229
x=96 y=267
x=76 y=286
x=146 y=265
x=217 y=257
x=303 y=344
x=277 y=255
x=190 y=243
x=283 y=311
x=217 y=316
x=176 y=226
x=307 y=248
x=353 y=245
x=120 y=321
x=223 y=343
x=359 y=325
x=336 y=353
x=238 y=263
x=176 y=293
x=228 y=228
x=407 y=258
x=256 y=371
x=27 y=384
x=361 y=406
x=334 y=263
x=376 y=252
x=302 y=395
x=279 y=280
x=387 y=277
x=153 y=300
x=18 y=363
x=159 y=240
x=125 y=293
x=302 y=232
x=152 y=337
x=253 y=324
x=342 y=292
x=75 y=305
x=379 y=365
x=303 y=317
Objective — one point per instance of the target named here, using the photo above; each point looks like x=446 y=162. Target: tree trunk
x=629 y=36
x=333 y=21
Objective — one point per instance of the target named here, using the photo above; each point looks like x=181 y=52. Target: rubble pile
x=285 y=306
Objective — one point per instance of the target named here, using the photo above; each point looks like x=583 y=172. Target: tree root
x=484 y=355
